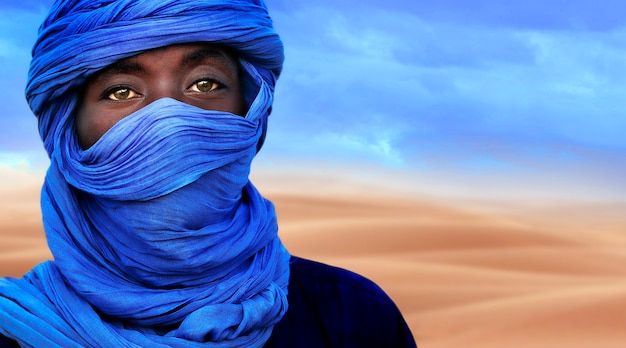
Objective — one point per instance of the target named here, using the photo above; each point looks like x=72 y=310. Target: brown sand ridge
x=476 y=277
x=464 y=274
x=22 y=240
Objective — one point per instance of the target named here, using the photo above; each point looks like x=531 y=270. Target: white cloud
x=32 y=162
x=13 y=161
x=7 y=48
x=376 y=147
x=350 y=74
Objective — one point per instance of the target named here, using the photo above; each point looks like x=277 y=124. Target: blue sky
x=464 y=89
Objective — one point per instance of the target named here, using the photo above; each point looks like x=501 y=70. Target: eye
x=205 y=86
x=121 y=93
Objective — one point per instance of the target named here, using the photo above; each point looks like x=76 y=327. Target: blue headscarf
x=158 y=236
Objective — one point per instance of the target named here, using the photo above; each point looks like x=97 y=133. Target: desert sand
x=465 y=273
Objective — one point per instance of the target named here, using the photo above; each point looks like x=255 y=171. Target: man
x=151 y=112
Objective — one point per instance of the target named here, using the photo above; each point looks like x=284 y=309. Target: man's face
x=201 y=75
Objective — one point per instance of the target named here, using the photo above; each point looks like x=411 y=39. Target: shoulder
x=328 y=283
x=334 y=307
x=309 y=270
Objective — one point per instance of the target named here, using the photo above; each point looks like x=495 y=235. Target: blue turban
x=79 y=38
x=158 y=236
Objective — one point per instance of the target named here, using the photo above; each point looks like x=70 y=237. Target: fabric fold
x=159 y=238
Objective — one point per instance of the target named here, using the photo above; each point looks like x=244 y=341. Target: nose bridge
x=164 y=85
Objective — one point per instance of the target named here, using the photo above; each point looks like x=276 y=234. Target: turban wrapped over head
x=81 y=37
x=158 y=236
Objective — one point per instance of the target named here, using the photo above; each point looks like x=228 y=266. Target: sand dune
x=464 y=274
x=471 y=277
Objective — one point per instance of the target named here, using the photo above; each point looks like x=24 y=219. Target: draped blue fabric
x=158 y=236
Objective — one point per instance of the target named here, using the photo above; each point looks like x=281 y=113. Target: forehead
x=178 y=55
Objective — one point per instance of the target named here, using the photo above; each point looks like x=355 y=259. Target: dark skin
x=202 y=75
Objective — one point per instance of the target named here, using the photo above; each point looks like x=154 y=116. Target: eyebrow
x=122 y=67
x=126 y=67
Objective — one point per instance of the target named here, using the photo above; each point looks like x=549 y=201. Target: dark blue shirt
x=333 y=307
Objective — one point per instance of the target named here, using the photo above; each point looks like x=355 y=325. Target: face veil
x=151 y=250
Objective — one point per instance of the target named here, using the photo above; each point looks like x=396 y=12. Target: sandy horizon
x=471 y=273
